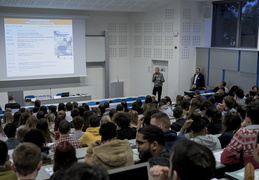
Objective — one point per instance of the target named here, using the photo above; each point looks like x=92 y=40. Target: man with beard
x=150 y=142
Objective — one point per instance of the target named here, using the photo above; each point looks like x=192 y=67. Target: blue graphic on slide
x=63 y=44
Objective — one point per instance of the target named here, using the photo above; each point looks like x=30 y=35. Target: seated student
x=137 y=108
x=204 y=106
x=162 y=121
x=36 y=137
x=134 y=118
x=221 y=86
x=214 y=116
x=195 y=106
x=185 y=104
x=52 y=109
x=43 y=125
x=178 y=114
x=148 y=104
x=241 y=147
x=145 y=120
x=23 y=119
x=240 y=97
x=230 y=124
x=26 y=161
x=84 y=170
x=122 y=120
x=227 y=106
x=110 y=152
x=92 y=133
x=69 y=108
x=64 y=157
x=12 y=103
x=190 y=160
x=81 y=110
x=78 y=123
x=199 y=131
x=36 y=107
x=5 y=172
x=64 y=129
x=150 y=142
x=165 y=107
x=125 y=106
x=21 y=133
x=10 y=131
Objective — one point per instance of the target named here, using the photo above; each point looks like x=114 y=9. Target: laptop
x=138 y=171
x=65 y=94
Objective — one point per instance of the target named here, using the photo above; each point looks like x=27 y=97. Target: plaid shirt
x=75 y=143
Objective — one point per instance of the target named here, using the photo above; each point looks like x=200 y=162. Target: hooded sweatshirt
x=91 y=135
x=209 y=141
x=167 y=109
x=112 y=154
x=170 y=138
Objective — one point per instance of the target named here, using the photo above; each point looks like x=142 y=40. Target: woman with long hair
x=64 y=157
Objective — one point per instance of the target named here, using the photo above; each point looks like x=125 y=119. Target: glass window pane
x=225 y=24
x=249 y=23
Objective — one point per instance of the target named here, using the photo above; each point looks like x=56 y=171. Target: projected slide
x=38 y=47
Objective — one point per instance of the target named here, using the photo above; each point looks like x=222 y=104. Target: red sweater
x=244 y=139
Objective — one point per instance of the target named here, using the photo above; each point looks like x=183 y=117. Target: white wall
x=132 y=52
x=186 y=20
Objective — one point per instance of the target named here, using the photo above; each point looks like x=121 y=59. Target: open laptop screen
x=138 y=171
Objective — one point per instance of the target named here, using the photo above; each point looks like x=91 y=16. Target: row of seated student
x=204 y=116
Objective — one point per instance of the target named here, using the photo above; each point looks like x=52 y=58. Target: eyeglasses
x=140 y=142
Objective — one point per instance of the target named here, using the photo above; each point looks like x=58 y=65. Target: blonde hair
x=105 y=119
x=31 y=122
x=8 y=117
x=134 y=117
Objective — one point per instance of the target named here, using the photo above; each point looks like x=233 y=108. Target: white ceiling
x=100 y=5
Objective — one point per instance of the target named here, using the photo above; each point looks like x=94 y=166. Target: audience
x=166 y=107
x=122 y=120
x=26 y=161
x=31 y=122
x=110 y=152
x=43 y=125
x=214 y=116
x=5 y=172
x=37 y=104
x=69 y=107
x=36 y=137
x=78 y=123
x=92 y=132
x=10 y=131
x=231 y=123
x=178 y=115
x=109 y=147
x=85 y=171
x=64 y=157
x=64 y=129
x=240 y=97
x=150 y=142
x=241 y=147
x=22 y=121
x=190 y=160
x=199 y=131
x=162 y=121
x=21 y=133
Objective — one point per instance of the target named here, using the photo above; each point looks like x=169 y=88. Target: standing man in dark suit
x=158 y=80
x=198 y=81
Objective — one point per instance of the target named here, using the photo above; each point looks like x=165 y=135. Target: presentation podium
x=117 y=89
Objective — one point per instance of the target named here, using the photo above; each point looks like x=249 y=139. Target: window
x=235 y=24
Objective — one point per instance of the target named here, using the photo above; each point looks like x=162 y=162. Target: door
x=163 y=66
